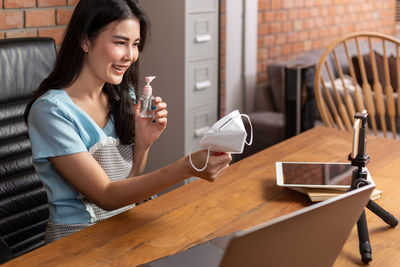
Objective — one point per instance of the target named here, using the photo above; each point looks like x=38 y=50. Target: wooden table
x=246 y=195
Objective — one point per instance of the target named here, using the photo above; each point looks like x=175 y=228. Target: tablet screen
x=317 y=173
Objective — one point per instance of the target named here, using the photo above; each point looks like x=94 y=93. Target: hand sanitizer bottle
x=147 y=100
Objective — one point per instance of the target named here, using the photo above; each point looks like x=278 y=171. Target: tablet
x=333 y=175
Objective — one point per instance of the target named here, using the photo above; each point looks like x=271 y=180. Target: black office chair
x=24 y=63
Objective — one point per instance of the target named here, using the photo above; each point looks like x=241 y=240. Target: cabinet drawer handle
x=203 y=38
x=199 y=132
x=202 y=85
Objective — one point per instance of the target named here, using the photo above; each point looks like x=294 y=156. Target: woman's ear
x=85 y=44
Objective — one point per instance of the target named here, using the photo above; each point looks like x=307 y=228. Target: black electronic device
x=299 y=98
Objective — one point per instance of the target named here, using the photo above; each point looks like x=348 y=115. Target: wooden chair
x=356 y=72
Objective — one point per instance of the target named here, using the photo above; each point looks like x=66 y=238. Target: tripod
x=359 y=159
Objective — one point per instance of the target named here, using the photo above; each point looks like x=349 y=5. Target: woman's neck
x=87 y=94
x=86 y=86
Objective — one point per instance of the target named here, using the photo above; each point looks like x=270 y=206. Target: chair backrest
x=356 y=72
x=24 y=63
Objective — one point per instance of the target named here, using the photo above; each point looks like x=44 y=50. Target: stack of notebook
x=319 y=194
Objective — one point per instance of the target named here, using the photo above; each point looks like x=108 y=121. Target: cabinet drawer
x=202 y=39
x=198 y=121
x=201 y=86
x=195 y=6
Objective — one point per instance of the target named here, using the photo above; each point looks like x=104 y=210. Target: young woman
x=89 y=143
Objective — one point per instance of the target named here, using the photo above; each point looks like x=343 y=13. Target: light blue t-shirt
x=57 y=126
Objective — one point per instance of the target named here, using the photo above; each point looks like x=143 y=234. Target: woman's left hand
x=147 y=130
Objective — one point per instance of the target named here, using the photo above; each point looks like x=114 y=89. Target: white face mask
x=226 y=135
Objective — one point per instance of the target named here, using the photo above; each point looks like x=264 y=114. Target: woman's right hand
x=217 y=164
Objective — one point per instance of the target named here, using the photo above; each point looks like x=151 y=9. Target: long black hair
x=90 y=18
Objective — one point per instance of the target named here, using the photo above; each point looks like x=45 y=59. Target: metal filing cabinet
x=183 y=53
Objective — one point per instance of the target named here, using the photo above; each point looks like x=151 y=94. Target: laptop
x=312 y=236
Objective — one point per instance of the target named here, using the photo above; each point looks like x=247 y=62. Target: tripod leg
x=363 y=238
x=383 y=214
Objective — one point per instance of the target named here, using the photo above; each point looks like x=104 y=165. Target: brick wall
x=31 y=18
x=288 y=28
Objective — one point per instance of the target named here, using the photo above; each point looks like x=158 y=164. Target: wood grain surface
x=246 y=195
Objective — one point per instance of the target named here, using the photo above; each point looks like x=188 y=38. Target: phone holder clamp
x=360 y=159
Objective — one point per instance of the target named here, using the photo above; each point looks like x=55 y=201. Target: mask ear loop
x=191 y=162
x=251 y=129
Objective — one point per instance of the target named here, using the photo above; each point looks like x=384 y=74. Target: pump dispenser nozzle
x=146 y=99
x=147 y=90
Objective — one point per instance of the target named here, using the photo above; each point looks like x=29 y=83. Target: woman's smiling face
x=113 y=50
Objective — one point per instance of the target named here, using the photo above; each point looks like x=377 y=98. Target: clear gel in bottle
x=147 y=100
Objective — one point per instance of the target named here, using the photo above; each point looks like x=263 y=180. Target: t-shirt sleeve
x=52 y=132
